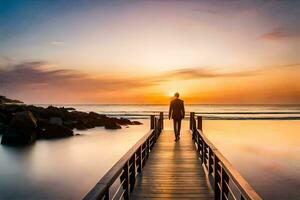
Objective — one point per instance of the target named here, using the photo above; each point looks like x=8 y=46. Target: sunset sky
x=131 y=51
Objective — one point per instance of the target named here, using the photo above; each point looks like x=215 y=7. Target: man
x=177 y=113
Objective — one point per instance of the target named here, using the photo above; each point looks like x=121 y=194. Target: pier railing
x=119 y=181
x=224 y=178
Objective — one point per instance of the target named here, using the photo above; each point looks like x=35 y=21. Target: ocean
x=261 y=141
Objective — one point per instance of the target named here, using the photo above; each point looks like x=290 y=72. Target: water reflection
x=265 y=152
x=66 y=168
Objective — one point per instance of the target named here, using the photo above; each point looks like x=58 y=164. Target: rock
x=56 y=112
x=2 y=117
x=4 y=100
x=69 y=123
x=22 y=124
x=39 y=112
x=81 y=125
x=56 y=120
x=69 y=108
x=22 y=129
x=136 y=123
x=12 y=108
x=2 y=128
x=112 y=125
x=95 y=115
x=52 y=131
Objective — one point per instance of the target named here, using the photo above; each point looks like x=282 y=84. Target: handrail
x=219 y=168
x=128 y=167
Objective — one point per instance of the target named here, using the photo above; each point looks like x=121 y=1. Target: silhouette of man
x=177 y=113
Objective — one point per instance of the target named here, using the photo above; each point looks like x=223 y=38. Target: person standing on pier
x=177 y=113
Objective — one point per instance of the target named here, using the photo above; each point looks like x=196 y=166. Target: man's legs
x=179 y=127
x=175 y=123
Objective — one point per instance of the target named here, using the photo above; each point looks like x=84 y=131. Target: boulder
x=69 y=108
x=2 y=128
x=76 y=115
x=22 y=129
x=136 y=123
x=69 y=124
x=56 y=121
x=95 y=115
x=52 y=131
x=82 y=125
x=12 y=108
x=39 y=112
x=2 y=117
x=56 y=112
x=4 y=100
x=112 y=125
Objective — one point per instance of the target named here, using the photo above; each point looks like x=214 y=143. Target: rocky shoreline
x=23 y=124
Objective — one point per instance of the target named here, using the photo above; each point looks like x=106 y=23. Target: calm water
x=265 y=151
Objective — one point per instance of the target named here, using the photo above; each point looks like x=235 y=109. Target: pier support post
x=161 y=117
x=152 y=118
x=192 y=116
x=199 y=124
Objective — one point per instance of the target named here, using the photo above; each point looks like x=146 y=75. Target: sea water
x=261 y=141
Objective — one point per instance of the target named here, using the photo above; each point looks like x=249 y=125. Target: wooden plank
x=173 y=171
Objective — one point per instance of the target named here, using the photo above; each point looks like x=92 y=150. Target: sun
x=171 y=94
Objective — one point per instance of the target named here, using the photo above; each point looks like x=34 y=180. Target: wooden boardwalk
x=173 y=171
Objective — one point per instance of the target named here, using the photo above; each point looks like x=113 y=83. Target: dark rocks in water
x=136 y=123
x=95 y=115
x=5 y=100
x=82 y=125
x=122 y=121
x=23 y=124
x=85 y=121
x=112 y=125
x=55 y=120
x=38 y=112
x=22 y=129
x=3 y=128
x=10 y=109
x=56 y=112
x=3 y=118
x=69 y=108
x=51 y=131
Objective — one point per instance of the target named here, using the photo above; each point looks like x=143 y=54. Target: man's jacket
x=176 y=110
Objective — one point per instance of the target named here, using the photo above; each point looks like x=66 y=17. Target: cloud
x=275 y=34
x=200 y=73
x=42 y=83
x=205 y=73
x=39 y=75
x=280 y=33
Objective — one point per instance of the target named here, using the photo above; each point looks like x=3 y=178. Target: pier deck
x=173 y=171
x=156 y=167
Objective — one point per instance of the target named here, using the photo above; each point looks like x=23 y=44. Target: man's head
x=176 y=95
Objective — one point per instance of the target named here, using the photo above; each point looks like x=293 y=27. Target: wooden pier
x=156 y=167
